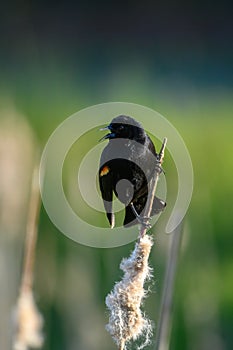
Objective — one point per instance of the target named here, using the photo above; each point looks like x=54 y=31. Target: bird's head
x=125 y=127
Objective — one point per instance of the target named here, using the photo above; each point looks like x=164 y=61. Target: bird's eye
x=121 y=127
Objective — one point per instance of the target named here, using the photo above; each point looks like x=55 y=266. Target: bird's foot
x=143 y=220
x=158 y=167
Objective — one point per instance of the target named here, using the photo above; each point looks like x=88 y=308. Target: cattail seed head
x=126 y=321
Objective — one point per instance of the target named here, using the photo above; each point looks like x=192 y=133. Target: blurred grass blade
x=165 y=319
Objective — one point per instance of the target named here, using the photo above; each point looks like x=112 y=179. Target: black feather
x=130 y=155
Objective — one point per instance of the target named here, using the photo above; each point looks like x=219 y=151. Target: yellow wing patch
x=104 y=171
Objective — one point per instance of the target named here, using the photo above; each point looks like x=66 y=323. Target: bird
x=127 y=164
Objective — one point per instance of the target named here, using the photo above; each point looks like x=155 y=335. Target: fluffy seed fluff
x=29 y=323
x=127 y=321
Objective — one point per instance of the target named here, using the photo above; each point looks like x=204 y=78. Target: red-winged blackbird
x=126 y=166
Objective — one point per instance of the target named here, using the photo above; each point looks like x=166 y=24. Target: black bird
x=126 y=166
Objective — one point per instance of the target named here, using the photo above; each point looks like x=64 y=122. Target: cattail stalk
x=152 y=187
x=31 y=234
x=28 y=319
x=127 y=321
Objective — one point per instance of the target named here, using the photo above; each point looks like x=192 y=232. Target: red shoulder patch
x=104 y=171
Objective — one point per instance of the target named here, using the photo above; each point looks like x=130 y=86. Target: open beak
x=108 y=136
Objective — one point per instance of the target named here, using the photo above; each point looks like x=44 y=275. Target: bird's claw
x=159 y=169
x=144 y=221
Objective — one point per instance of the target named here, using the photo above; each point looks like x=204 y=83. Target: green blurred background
x=174 y=57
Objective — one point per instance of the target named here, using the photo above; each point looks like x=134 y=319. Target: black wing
x=106 y=188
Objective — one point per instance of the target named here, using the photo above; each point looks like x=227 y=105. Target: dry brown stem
x=28 y=319
x=152 y=187
x=31 y=234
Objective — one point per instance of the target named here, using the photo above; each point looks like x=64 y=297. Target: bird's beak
x=105 y=137
x=106 y=128
x=108 y=136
